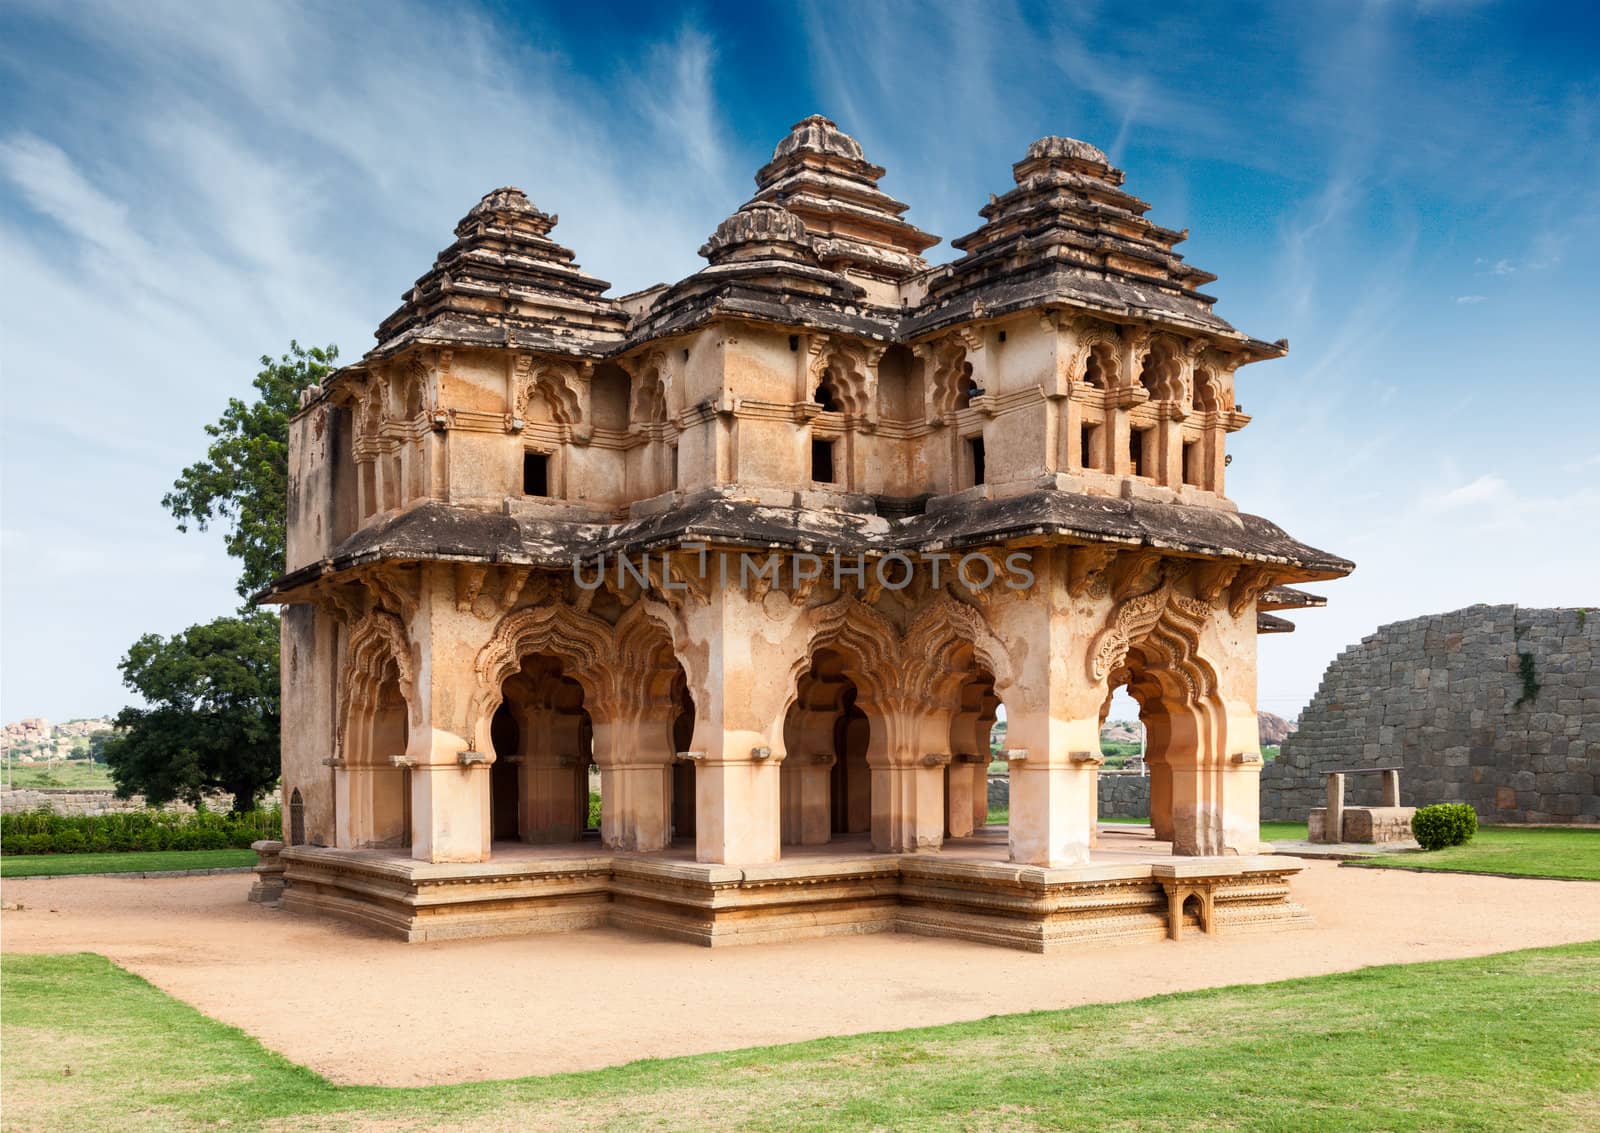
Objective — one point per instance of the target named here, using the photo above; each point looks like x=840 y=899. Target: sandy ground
x=365 y=1009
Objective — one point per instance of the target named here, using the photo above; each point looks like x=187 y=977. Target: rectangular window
x=821 y=461
x=1191 y=463
x=672 y=459
x=975 y=461
x=1089 y=442
x=536 y=474
x=1141 y=452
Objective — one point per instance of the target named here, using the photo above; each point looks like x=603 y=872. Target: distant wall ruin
x=1497 y=706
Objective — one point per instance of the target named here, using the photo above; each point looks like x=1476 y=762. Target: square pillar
x=967 y=784
x=1333 y=828
x=737 y=820
x=450 y=812
x=806 y=799
x=908 y=811
x=1051 y=801
x=1391 y=788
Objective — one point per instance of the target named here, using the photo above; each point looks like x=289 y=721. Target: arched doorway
x=971 y=751
x=379 y=783
x=825 y=785
x=543 y=743
x=1182 y=752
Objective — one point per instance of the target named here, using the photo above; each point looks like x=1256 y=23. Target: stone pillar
x=1051 y=796
x=1391 y=788
x=450 y=805
x=739 y=652
x=908 y=773
x=635 y=758
x=966 y=783
x=1160 y=799
x=806 y=779
x=450 y=808
x=1333 y=828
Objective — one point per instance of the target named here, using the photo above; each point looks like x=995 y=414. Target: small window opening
x=1002 y=336
x=824 y=397
x=1191 y=463
x=1141 y=452
x=1089 y=439
x=975 y=459
x=297 y=819
x=794 y=344
x=536 y=474
x=672 y=459
x=822 y=461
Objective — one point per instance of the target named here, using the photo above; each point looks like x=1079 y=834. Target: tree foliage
x=243 y=479
x=212 y=724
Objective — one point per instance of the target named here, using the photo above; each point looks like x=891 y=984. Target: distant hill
x=1274 y=729
x=33 y=739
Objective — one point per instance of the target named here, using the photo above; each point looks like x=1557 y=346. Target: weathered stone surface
x=1443 y=697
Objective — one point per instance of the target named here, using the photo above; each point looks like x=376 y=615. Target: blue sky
x=1410 y=192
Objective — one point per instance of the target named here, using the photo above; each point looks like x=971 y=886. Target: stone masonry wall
x=81 y=801
x=1123 y=794
x=1451 y=699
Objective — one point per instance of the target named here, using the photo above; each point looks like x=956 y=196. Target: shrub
x=44 y=832
x=594 y=810
x=1444 y=824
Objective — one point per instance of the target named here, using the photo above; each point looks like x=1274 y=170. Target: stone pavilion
x=758 y=556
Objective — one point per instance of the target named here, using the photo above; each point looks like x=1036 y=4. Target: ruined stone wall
x=1497 y=706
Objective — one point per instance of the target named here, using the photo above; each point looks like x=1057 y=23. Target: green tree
x=212 y=724
x=244 y=477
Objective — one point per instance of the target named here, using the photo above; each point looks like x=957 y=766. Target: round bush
x=1443 y=824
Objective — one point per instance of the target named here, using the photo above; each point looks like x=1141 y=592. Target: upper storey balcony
x=817 y=366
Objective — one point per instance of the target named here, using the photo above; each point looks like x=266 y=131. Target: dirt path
x=365 y=1009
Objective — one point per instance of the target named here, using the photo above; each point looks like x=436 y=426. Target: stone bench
x=1336 y=822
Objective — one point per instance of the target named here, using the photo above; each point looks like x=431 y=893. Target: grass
x=1519 y=850
x=70 y=773
x=1503 y=1042
x=57 y=865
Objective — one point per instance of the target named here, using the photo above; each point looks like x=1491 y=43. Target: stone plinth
x=269 y=867
x=847 y=890
x=1364 y=824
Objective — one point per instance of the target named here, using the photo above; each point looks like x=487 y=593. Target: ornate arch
x=652 y=386
x=376 y=640
x=372 y=408
x=1166 y=622
x=848 y=374
x=950 y=376
x=940 y=630
x=581 y=641
x=865 y=637
x=1164 y=370
x=1096 y=341
x=558 y=382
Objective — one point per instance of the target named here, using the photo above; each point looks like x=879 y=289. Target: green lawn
x=55 y=865
x=1520 y=850
x=75 y=773
x=1498 y=1043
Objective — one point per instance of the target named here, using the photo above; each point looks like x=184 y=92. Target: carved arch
x=940 y=632
x=1164 y=370
x=847 y=377
x=950 y=378
x=377 y=639
x=559 y=383
x=1097 y=361
x=1166 y=622
x=652 y=387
